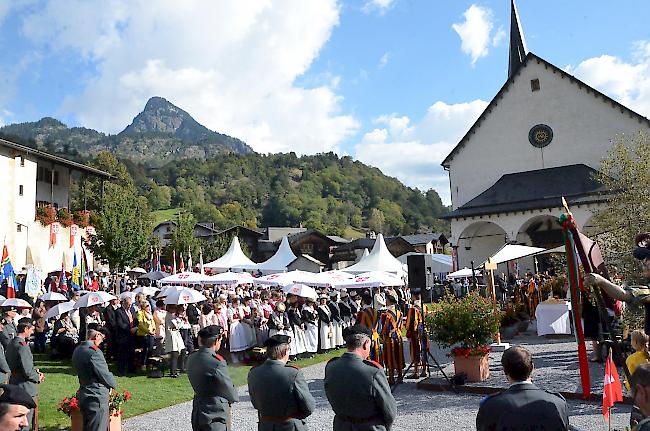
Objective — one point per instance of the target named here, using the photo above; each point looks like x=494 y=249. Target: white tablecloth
x=553 y=319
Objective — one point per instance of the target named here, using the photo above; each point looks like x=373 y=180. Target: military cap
x=356 y=329
x=12 y=394
x=10 y=308
x=276 y=340
x=97 y=327
x=211 y=331
x=642 y=250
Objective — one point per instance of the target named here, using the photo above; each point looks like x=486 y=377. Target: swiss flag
x=612 y=391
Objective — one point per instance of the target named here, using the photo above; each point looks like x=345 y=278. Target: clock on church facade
x=540 y=135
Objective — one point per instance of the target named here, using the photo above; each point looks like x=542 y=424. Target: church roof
x=541 y=188
x=504 y=89
x=518 y=48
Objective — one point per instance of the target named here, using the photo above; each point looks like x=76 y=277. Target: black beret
x=12 y=394
x=356 y=329
x=211 y=331
x=11 y=308
x=642 y=253
x=97 y=327
x=276 y=340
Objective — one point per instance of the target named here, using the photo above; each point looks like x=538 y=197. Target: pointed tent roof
x=279 y=261
x=234 y=258
x=518 y=49
x=379 y=259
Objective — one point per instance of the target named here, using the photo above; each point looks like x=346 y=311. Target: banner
x=33 y=281
x=55 y=228
x=73 y=233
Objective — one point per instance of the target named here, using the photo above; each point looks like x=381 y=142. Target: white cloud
x=379 y=6
x=627 y=82
x=498 y=37
x=413 y=152
x=475 y=32
x=383 y=61
x=232 y=65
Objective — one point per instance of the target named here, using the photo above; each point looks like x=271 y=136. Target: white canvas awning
x=463 y=273
x=379 y=259
x=234 y=258
x=512 y=252
x=280 y=260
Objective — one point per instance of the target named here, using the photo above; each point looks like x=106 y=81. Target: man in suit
x=21 y=363
x=9 y=327
x=126 y=324
x=213 y=388
x=357 y=389
x=110 y=317
x=95 y=380
x=279 y=391
x=15 y=404
x=522 y=406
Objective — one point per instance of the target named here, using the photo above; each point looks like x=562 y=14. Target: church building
x=542 y=137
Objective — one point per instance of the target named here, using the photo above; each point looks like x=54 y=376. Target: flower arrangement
x=468 y=324
x=46 y=215
x=64 y=217
x=81 y=218
x=68 y=405
x=116 y=401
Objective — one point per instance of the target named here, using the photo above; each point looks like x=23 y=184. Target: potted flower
x=468 y=325
x=64 y=217
x=81 y=218
x=46 y=215
x=70 y=407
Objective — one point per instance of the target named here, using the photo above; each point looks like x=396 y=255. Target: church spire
x=518 y=48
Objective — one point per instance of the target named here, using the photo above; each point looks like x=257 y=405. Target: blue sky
x=393 y=82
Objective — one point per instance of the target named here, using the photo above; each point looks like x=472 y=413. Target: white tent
x=371 y=279
x=463 y=273
x=186 y=278
x=232 y=278
x=512 y=252
x=234 y=258
x=363 y=255
x=279 y=261
x=379 y=259
x=559 y=249
x=283 y=278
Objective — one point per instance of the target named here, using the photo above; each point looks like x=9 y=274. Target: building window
x=20 y=190
x=534 y=85
x=55 y=180
x=19 y=228
x=307 y=248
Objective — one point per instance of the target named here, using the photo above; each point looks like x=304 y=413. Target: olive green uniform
x=281 y=396
x=359 y=394
x=95 y=383
x=4 y=366
x=23 y=373
x=8 y=332
x=213 y=390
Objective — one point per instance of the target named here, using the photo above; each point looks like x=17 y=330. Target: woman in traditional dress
x=337 y=322
x=310 y=317
x=325 y=334
x=297 y=346
x=239 y=332
x=248 y=320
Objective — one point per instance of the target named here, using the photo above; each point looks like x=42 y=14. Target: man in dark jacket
x=522 y=406
x=110 y=317
x=126 y=324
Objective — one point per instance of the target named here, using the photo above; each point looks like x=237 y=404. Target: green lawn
x=148 y=394
x=164 y=215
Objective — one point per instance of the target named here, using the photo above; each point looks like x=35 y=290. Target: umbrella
x=283 y=278
x=300 y=290
x=2 y=298
x=147 y=290
x=232 y=278
x=52 y=296
x=154 y=275
x=15 y=302
x=130 y=295
x=93 y=298
x=184 y=296
x=59 y=309
x=169 y=289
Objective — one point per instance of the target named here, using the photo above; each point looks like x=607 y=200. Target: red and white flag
x=612 y=391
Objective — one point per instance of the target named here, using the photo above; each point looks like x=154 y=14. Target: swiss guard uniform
x=213 y=388
x=280 y=393
x=358 y=391
x=391 y=334
x=370 y=318
x=417 y=339
x=95 y=383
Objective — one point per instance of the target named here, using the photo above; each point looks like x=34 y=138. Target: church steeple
x=518 y=48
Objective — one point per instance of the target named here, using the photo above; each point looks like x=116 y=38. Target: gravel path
x=556 y=369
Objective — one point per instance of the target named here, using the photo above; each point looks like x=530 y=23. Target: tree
x=123 y=227
x=183 y=239
x=159 y=197
x=626 y=174
x=376 y=220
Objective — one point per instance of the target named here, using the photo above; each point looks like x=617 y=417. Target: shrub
x=46 y=215
x=81 y=218
x=64 y=217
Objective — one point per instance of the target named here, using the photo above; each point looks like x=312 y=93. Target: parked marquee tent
x=233 y=259
x=280 y=260
x=379 y=259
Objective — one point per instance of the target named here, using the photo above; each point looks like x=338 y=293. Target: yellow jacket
x=146 y=324
x=633 y=361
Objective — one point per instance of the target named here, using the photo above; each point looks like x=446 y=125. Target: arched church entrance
x=478 y=241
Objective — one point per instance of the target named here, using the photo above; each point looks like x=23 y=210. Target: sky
x=393 y=83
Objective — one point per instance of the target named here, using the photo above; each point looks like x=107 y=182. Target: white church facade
x=542 y=137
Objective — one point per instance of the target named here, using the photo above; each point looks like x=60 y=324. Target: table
x=553 y=318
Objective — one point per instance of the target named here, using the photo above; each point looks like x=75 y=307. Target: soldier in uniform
x=8 y=326
x=357 y=388
x=95 y=380
x=213 y=388
x=279 y=391
x=417 y=337
x=370 y=318
x=391 y=334
x=4 y=366
x=15 y=403
x=21 y=363
x=523 y=405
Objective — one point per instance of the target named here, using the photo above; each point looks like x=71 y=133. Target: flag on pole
x=189 y=260
x=76 y=271
x=7 y=273
x=158 y=260
x=182 y=265
x=201 y=261
x=174 y=261
x=63 y=281
x=612 y=390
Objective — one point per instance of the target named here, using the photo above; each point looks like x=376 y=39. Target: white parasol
x=184 y=296
x=147 y=290
x=371 y=279
x=301 y=290
x=59 y=309
x=52 y=296
x=232 y=278
x=93 y=298
x=15 y=302
x=137 y=270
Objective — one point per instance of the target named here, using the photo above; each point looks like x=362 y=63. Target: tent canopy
x=234 y=258
x=186 y=278
x=379 y=259
x=463 y=273
x=512 y=252
x=280 y=260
